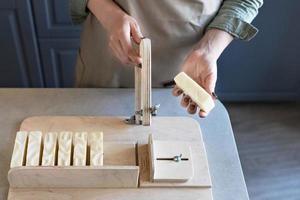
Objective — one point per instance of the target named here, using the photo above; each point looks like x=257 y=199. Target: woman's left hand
x=202 y=69
x=201 y=65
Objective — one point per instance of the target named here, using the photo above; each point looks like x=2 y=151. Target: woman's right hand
x=120 y=28
x=120 y=34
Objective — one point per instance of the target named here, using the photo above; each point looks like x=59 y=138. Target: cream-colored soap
x=64 y=148
x=96 y=148
x=34 y=148
x=80 y=148
x=18 y=156
x=195 y=92
x=50 y=149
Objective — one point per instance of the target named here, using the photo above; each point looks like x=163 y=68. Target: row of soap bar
x=57 y=149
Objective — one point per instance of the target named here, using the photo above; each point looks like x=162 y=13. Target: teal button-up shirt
x=234 y=16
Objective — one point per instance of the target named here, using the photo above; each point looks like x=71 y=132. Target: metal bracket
x=132 y=119
x=177 y=158
x=154 y=109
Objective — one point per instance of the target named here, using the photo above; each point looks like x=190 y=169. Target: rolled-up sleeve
x=78 y=10
x=235 y=17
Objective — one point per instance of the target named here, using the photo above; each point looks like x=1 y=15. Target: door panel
x=59 y=58
x=13 y=71
x=7 y=4
x=19 y=63
x=53 y=19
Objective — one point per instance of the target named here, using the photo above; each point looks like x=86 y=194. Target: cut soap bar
x=96 y=148
x=80 y=148
x=194 y=91
x=64 y=149
x=18 y=156
x=34 y=148
x=50 y=148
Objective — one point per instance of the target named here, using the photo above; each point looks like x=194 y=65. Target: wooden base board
x=200 y=179
x=115 y=194
x=119 y=171
x=74 y=177
x=114 y=129
x=164 y=170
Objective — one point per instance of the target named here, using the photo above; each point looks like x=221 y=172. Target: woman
x=186 y=35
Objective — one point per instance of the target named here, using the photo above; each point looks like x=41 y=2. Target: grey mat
x=268 y=140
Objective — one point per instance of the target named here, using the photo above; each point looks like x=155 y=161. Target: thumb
x=136 y=32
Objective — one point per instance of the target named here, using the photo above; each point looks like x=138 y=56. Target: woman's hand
x=203 y=70
x=120 y=28
x=201 y=66
x=120 y=39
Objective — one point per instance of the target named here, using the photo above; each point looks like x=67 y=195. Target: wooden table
x=17 y=104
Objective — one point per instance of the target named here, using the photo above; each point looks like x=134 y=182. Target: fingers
x=202 y=114
x=136 y=33
x=214 y=95
x=137 y=37
x=176 y=91
x=122 y=45
x=188 y=103
x=127 y=48
x=192 y=108
x=185 y=101
x=118 y=52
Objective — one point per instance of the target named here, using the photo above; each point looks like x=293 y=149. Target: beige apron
x=174 y=27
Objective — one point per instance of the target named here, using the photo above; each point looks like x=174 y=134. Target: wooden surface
x=120 y=170
x=145 y=52
x=74 y=177
x=137 y=94
x=201 y=177
x=216 y=128
x=120 y=153
x=162 y=170
x=107 y=194
x=114 y=129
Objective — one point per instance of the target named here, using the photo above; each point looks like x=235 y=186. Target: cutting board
x=115 y=130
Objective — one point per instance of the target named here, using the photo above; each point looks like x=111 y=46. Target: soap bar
x=64 y=148
x=80 y=148
x=50 y=149
x=96 y=148
x=18 y=156
x=34 y=148
x=194 y=91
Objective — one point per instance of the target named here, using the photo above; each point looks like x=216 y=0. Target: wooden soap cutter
x=142 y=78
x=137 y=157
